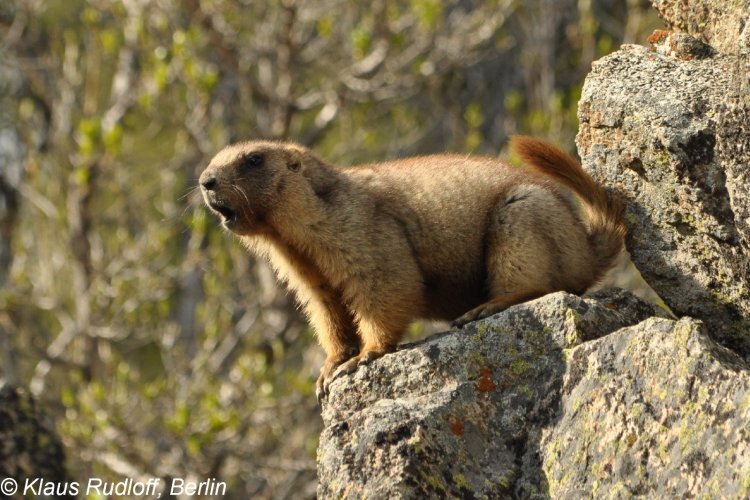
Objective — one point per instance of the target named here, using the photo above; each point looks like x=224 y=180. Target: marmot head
x=245 y=182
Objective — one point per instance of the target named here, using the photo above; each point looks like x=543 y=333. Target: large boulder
x=723 y=24
x=668 y=127
x=656 y=410
x=462 y=413
x=557 y=398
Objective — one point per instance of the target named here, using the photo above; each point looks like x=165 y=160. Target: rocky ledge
x=563 y=396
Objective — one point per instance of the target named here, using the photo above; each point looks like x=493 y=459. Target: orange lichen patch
x=485 y=383
x=658 y=36
x=457 y=427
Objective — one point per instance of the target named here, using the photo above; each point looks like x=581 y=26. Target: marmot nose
x=209 y=183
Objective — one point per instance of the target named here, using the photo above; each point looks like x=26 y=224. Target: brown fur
x=369 y=249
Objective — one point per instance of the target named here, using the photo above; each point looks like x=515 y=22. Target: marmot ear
x=294 y=160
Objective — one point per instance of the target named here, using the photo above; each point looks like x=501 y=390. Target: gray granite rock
x=671 y=133
x=461 y=413
x=724 y=24
x=557 y=398
x=566 y=397
x=656 y=410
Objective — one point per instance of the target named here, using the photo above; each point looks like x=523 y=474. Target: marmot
x=368 y=249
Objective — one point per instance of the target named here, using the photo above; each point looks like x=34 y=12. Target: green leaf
x=428 y=12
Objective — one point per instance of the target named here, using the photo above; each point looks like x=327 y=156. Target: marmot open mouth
x=226 y=212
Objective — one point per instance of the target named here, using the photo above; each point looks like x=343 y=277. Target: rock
x=655 y=410
x=461 y=414
x=671 y=133
x=29 y=447
x=680 y=45
x=525 y=404
x=724 y=25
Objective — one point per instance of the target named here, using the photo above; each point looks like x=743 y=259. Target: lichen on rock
x=655 y=409
x=479 y=397
x=510 y=407
x=668 y=133
x=721 y=23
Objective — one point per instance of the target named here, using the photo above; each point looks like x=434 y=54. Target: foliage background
x=161 y=347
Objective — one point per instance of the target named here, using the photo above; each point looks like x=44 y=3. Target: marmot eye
x=252 y=160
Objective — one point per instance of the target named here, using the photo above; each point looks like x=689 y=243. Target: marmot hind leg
x=495 y=305
x=525 y=257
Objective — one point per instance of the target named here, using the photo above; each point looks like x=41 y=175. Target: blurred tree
x=167 y=351
x=11 y=174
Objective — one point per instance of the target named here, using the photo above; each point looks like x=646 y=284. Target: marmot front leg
x=334 y=325
x=380 y=335
x=386 y=307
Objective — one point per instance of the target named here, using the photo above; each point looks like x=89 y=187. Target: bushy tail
x=601 y=211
